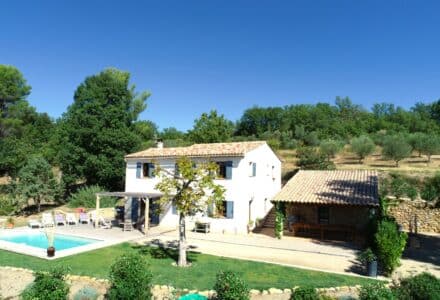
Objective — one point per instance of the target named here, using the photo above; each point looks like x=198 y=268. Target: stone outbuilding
x=332 y=204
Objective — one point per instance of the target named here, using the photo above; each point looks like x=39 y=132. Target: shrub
x=390 y=244
x=130 y=278
x=279 y=224
x=362 y=146
x=48 y=285
x=86 y=293
x=420 y=287
x=230 y=287
x=86 y=197
x=367 y=256
x=305 y=293
x=7 y=204
x=376 y=291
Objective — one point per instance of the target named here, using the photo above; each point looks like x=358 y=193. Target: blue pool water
x=39 y=240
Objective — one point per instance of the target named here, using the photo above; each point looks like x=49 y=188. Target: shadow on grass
x=158 y=249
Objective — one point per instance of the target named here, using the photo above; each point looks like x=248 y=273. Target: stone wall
x=14 y=280
x=416 y=215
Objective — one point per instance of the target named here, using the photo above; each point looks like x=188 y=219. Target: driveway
x=327 y=256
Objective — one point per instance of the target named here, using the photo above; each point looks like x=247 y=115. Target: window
x=227 y=209
x=144 y=170
x=323 y=215
x=224 y=170
x=273 y=172
x=252 y=169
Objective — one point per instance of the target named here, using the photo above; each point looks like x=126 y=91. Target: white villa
x=249 y=171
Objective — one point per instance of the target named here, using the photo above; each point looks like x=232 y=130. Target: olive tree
x=362 y=146
x=396 y=148
x=430 y=145
x=330 y=148
x=191 y=188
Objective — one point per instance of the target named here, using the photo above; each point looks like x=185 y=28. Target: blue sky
x=195 y=56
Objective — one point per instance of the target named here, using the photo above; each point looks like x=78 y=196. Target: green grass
x=200 y=275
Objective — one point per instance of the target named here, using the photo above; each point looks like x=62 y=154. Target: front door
x=134 y=209
x=154 y=211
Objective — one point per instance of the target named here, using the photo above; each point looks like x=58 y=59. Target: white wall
x=240 y=189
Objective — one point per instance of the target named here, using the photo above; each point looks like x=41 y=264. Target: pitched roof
x=340 y=187
x=200 y=150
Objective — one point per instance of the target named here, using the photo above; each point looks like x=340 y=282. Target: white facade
x=249 y=195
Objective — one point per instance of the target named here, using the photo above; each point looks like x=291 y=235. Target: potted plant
x=368 y=258
x=50 y=235
x=10 y=222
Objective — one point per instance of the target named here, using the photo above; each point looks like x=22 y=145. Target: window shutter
x=229 y=209
x=228 y=170
x=174 y=209
x=254 y=169
x=138 y=169
x=150 y=170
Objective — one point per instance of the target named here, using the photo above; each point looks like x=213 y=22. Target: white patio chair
x=32 y=223
x=71 y=219
x=47 y=220
x=60 y=219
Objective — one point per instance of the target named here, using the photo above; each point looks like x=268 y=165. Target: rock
x=254 y=292
x=264 y=292
x=273 y=291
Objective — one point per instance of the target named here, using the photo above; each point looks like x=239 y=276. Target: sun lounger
x=83 y=218
x=71 y=219
x=47 y=220
x=103 y=223
x=60 y=219
x=34 y=223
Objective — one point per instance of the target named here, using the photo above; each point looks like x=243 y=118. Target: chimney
x=159 y=143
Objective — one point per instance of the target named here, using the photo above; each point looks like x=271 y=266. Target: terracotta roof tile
x=200 y=150
x=341 y=187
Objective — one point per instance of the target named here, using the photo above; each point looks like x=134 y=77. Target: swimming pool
x=39 y=240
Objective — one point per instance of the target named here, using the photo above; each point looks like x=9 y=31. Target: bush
x=305 y=293
x=420 y=287
x=376 y=291
x=86 y=197
x=230 y=287
x=390 y=244
x=8 y=205
x=48 y=285
x=86 y=293
x=130 y=278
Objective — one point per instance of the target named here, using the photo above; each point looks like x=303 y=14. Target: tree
x=430 y=145
x=416 y=140
x=13 y=89
x=98 y=130
x=311 y=159
x=396 y=148
x=37 y=181
x=362 y=146
x=211 y=128
x=190 y=190
x=330 y=148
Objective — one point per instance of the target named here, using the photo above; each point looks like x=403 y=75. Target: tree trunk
x=429 y=158
x=397 y=163
x=38 y=205
x=182 y=242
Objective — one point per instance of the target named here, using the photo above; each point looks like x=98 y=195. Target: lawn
x=200 y=275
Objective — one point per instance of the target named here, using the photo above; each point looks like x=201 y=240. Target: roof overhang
x=130 y=194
